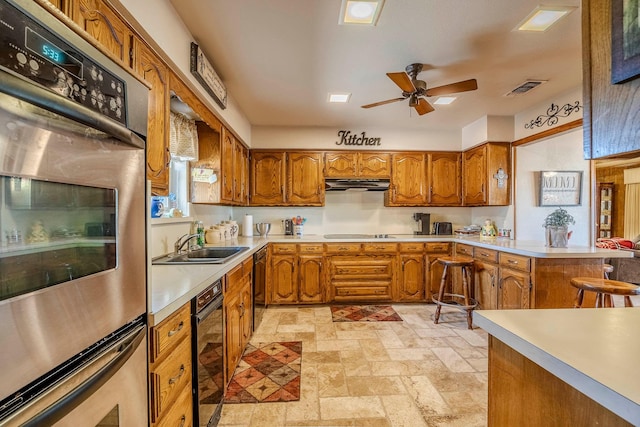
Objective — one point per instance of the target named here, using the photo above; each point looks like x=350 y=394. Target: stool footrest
x=454 y=301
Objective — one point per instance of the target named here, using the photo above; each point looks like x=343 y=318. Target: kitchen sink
x=202 y=256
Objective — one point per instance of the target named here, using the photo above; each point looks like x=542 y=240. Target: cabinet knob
x=176 y=330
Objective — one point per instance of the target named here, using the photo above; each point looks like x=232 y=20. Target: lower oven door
x=208 y=364
x=109 y=391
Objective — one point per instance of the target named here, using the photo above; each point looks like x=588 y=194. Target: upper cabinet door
x=340 y=165
x=153 y=71
x=111 y=32
x=268 y=178
x=228 y=151
x=238 y=172
x=374 y=165
x=445 y=180
x=305 y=182
x=408 y=175
x=475 y=176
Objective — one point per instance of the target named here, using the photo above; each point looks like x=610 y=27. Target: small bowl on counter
x=263 y=228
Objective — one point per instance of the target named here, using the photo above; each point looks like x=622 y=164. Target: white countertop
x=596 y=351
x=171 y=286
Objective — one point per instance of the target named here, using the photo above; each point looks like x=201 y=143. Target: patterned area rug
x=268 y=372
x=364 y=313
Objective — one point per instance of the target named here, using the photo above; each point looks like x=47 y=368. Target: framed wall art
x=560 y=188
x=203 y=71
x=625 y=40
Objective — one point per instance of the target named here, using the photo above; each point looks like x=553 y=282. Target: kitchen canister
x=247 y=226
x=233 y=229
x=213 y=234
x=298 y=230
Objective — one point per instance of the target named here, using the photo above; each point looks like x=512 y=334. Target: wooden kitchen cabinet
x=233 y=168
x=444 y=177
x=170 y=368
x=411 y=272
x=408 y=180
x=237 y=314
x=482 y=166
x=296 y=273
x=515 y=283
x=358 y=164
x=434 y=268
x=150 y=68
x=279 y=178
x=111 y=32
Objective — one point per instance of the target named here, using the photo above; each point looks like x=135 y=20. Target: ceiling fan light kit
x=416 y=90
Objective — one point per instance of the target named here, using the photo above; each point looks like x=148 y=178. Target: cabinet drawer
x=487 y=255
x=247 y=266
x=339 y=248
x=411 y=247
x=311 y=249
x=462 y=249
x=362 y=292
x=517 y=262
x=233 y=278
x=180 y=413
x=170 y=378
x=380 y=247
x=284 y=248
x=438 y=247
x=168 y=334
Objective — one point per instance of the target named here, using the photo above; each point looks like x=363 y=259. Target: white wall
x=165 y=27
x=325 y=138
x=487 y=128
x=562 y=152
x=523 y=119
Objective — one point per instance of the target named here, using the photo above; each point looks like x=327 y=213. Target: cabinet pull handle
x=173 y=380
x=512 y=261
x=318 y=191
x=343 y=249
x=484 y=255
x=176 y=330
x=183 y=421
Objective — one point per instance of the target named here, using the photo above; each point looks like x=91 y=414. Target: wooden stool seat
x=459 y=301
x=604 y=289
x=607 y=268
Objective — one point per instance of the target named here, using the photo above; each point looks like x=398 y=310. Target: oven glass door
x=54 y=233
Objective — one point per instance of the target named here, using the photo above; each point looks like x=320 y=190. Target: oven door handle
x=43 y=98
x=62 y=407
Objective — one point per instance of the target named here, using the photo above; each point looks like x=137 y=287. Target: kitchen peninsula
x=563 y=367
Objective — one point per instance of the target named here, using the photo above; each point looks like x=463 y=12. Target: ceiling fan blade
x=403 y=81
x=388 y=101
x=463 y=86
x=423 y=107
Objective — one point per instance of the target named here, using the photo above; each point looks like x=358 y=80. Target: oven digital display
x=52 y=53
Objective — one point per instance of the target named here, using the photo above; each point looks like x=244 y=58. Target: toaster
x=442 y=228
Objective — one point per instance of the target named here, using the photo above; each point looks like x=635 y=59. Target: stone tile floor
x=410 y=373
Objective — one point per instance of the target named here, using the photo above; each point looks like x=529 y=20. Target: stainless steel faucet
x=177 y=247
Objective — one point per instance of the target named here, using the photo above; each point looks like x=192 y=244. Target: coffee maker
x=424 y=219
x=287 y=224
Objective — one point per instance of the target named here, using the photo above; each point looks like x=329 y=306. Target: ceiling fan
x=415 y=89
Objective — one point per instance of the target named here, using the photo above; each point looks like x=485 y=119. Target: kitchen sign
x=357 y=139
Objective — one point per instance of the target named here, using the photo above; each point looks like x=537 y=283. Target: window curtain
x=183 y=137
x=632 y=203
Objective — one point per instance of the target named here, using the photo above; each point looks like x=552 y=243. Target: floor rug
x=364 y=313
x=267 y=372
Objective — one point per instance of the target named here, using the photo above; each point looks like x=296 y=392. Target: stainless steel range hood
x=356 y=184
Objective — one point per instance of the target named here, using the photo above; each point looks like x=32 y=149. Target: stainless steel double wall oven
x=72 y=224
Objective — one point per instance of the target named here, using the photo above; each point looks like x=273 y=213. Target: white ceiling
x=280 y=58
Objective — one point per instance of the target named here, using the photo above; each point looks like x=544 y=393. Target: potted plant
x=556 y=225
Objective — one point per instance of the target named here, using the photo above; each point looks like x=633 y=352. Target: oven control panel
x=31 y=50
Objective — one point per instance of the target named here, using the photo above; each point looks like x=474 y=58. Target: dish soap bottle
x=200 y=231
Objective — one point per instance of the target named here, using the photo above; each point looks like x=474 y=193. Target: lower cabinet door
x=233 y=332
x=284 y=279
x=411 y=278
x=485 y=285
x=514 y=289
x=311 y=279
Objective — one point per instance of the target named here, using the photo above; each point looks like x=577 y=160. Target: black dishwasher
x=259 y=279
x=208 y=356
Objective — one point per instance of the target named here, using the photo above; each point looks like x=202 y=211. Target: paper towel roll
x=247 y=226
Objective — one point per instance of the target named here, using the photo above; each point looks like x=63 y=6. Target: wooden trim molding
x=547 y=133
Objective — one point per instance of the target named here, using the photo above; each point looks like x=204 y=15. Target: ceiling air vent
x=525 y=87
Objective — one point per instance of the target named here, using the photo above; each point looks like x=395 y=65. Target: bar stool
x=604 y=289
x=462 y=302
x=607 y=268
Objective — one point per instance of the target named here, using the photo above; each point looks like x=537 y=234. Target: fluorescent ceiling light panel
x=543 y=17
x=360 y=12
x=338 y=97
x=445 y=100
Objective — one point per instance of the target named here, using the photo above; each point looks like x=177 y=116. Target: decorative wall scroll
x=348 y=138
x=560 y=188
x=202 y=69
x=554 y=113
x=625 y=40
